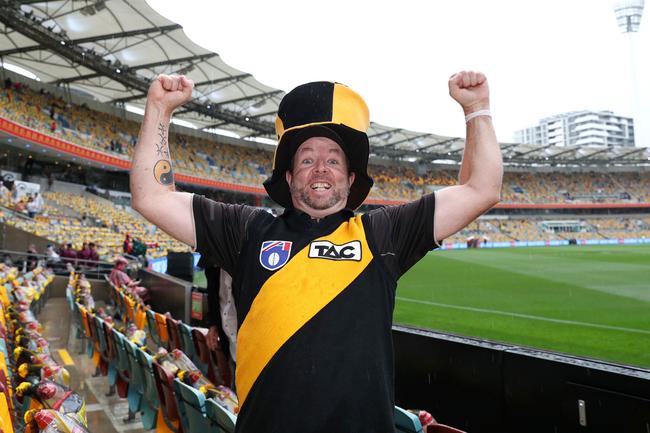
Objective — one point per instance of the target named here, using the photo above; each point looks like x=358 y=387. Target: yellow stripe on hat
x=349 y=109
x=290 y=298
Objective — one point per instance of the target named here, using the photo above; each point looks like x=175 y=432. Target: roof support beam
x=243 y=98
x=12 y=16
x=395 y=143
x=440 y=143
x=202 y=83
x=162 y=29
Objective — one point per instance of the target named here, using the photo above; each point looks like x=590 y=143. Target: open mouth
x=320 y=186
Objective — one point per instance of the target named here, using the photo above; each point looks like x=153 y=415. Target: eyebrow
x=311 y=149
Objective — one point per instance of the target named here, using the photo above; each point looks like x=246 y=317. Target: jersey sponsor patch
x=274 y=254
x=330 y=251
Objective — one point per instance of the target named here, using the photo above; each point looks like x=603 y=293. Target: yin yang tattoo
x=163 y=172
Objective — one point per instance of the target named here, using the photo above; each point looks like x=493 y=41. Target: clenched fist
x=169 y=92
x=470 y=90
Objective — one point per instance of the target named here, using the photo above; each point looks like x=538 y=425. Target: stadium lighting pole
x=628 y=17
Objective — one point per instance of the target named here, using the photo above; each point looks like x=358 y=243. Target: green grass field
x=589 y=301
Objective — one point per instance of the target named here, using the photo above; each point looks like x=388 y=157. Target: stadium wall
x=485 y=387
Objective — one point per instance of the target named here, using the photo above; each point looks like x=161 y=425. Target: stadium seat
x=219 y=417
x=188 y=341
x=136 y=380
x=168 y=407
x=161 y=325
x=191 y=407
x=111 y=352
x=174 y=332
x=204 y=356
x=152 y=327
x=102 y=346
x=122 y=366
x=150 y=403
x=406 y=422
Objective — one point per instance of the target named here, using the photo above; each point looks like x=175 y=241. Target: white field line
x=526 y=316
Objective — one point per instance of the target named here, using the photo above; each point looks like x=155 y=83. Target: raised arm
x=152 y=180
x=481 y=170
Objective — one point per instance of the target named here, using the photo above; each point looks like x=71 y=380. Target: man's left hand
x=470 y=90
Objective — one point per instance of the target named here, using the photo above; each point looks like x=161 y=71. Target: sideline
x=525 y=316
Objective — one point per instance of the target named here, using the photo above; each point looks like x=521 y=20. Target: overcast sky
x=541 y=57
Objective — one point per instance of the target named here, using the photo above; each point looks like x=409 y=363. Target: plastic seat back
x=152 y=327
x=135 y=372
x=220 y=419
x=188 y=341
x=161 y=325
x=406 y=422
x=174 y=332
x=191 y=406
x=166 y=397
x=101 y=336
x=122 y=357
x=150 y=394
x=204 y=360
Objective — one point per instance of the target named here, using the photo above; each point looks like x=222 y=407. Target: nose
x=321 y=166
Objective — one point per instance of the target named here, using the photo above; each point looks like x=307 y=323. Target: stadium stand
x=250 y=167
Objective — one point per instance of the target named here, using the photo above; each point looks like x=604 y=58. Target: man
x=314 y=288
x=93 y=254
x=119 y=278
x=69 y=254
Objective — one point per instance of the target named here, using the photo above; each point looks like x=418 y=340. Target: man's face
x=319 y=179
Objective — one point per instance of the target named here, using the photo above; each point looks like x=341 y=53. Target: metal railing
x=61 y=265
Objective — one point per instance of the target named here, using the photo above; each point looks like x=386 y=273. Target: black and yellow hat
x=321 y=109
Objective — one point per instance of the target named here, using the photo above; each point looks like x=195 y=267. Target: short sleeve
x=220 y=230
x=403 y=234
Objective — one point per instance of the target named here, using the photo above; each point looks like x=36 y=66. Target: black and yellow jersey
x=314 y=302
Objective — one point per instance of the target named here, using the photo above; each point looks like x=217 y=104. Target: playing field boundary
x=524 y=316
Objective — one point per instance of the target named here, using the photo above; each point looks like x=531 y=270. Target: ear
x=351 y=178
x=288 y=176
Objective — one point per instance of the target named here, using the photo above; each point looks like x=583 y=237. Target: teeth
x=320 y=186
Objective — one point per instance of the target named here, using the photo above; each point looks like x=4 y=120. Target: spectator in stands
x=34 y=205
x=316 y=285
x=83 y=254
x=127 y=246
x=120 y=278
x=93 y=254
x=68 y=254
x=32 y=260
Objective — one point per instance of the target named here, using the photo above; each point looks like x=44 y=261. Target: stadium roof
x=111 y=49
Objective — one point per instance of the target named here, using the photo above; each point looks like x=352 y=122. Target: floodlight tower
x=628 y=16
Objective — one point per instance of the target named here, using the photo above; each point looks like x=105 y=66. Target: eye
x=307 y=161
x=333 y=161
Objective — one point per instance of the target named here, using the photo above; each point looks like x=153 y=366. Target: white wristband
x=474 y=114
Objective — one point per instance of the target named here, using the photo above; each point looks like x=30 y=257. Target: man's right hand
x=169 y=92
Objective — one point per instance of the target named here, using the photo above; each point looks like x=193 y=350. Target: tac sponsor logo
x=330 y=251
x=275 y=254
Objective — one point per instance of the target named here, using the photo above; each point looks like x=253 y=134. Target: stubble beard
x=320 y=204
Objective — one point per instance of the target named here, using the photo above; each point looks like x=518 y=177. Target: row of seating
x=244 y=166
x=34 y=389
x=164 y=401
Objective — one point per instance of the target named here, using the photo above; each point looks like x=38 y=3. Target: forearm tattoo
x=162 y=171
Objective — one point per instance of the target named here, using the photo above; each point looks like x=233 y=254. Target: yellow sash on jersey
x=290 y=298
